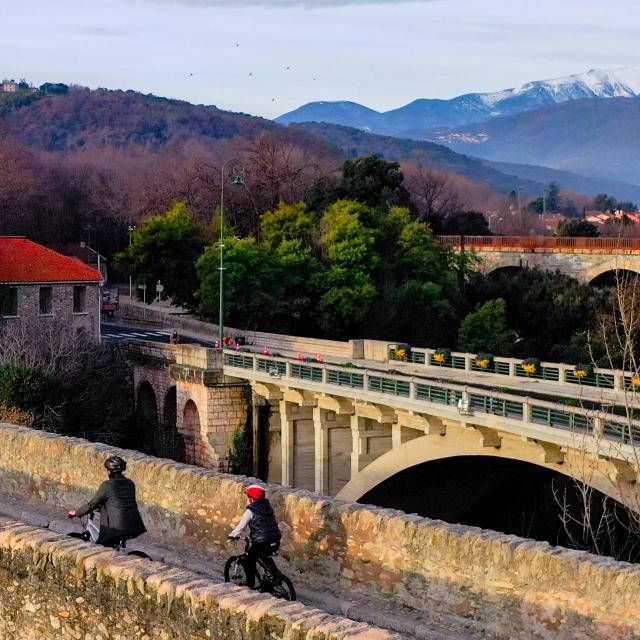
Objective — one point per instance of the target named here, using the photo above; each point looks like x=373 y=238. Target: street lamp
x=238 y=168
x=131 y=229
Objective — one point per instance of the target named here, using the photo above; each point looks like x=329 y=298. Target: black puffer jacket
x=119 y=515
x=263 y=526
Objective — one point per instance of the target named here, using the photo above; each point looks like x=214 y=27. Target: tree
x=374 y=182
x=351 y=257
x=165 y=249
x=577 y=228
x=553 y=196
x=465 y=223
x=252 y=284
x=289 y=222
x=602 y=202
x=486 y=330
x=432 y=192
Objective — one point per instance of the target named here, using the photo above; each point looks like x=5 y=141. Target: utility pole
x=132 y=228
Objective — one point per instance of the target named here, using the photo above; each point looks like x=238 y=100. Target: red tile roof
x=24 y=261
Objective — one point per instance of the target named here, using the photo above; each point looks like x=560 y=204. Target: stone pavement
x=382 y=613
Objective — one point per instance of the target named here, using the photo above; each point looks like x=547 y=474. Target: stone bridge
x=585 y=259
x=343 y=429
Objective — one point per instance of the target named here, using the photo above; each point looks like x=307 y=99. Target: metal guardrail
x=471 y=399
x=502 y=368
x=539 y=242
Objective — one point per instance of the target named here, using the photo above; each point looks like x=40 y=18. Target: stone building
x=38 y=283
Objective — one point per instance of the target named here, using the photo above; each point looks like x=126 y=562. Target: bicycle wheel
x=234 y=571
x=283 y=588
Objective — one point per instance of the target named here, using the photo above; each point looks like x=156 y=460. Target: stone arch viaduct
x=343 y=430
x=582 y=258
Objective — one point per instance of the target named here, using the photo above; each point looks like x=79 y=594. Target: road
x=115 y=332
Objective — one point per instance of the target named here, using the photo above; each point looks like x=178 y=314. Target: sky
x=271 y=56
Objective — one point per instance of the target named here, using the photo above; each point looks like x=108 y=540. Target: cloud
x=279 y=4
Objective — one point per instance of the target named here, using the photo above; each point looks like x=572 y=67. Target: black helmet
x=115 y=464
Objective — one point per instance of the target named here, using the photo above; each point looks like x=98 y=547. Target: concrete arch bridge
x=342 y=430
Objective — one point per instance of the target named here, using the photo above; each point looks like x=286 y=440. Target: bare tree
x=602 y=514
x=88 y=392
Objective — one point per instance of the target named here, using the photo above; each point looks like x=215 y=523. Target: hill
x=589 y=137
x=82 y=119
x=354 y=142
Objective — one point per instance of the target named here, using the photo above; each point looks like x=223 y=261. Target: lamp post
x=131 y=229
x=238 y=180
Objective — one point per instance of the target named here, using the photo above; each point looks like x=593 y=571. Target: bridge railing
x=497 y=243
x=504 y=368
x=360 y=383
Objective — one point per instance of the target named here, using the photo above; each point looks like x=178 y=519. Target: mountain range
x=587 y=124
x=426 y=114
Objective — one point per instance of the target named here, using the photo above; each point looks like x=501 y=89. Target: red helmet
x=254 y=491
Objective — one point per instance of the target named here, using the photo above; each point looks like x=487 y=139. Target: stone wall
x=520 y=588
x=276 y=342
x=56 y=587
x=86 y=321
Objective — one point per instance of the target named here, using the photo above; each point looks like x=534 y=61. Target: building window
x=8 y=302
x=46 y=297
x=79 y=299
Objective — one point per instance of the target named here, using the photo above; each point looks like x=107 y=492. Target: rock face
x=54 y=587
x=522 y=589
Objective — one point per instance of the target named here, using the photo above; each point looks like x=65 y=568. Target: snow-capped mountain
x=419 y=115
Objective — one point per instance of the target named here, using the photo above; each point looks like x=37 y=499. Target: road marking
x=158 y=335
x=110 y=335
x=164 y=333
x=139 y=335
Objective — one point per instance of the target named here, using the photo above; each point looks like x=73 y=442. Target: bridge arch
x=612 y=267
x=432 y=448
x=146 y=417
x=191 y=431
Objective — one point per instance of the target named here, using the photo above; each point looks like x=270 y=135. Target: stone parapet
x=520 y=588
x=56 y=587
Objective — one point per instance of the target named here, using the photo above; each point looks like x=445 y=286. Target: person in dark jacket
x=263 y=532
x=116 y=499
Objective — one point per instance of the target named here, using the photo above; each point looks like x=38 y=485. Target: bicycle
x=267 y=580
x=90 y=534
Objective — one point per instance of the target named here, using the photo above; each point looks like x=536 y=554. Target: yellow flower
x=529 y=368
x=401 y=353
x=635 y=381
x=483 y=364
x=439 y=357
x=581 y=373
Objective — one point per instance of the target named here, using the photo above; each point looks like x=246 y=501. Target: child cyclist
x=263 y=532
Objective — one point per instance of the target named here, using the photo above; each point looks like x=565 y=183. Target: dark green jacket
x=119 y=515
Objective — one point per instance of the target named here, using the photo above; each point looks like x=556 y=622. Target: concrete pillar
x=396 y=435
x=357 y=446
x=286 y=442
x=321 y=451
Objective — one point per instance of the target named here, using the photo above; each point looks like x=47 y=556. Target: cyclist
x=120 y=518
x=263 y=532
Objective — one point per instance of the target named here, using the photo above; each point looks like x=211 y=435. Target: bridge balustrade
x=470 y=399
x=497 y=243
x=512 y=367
